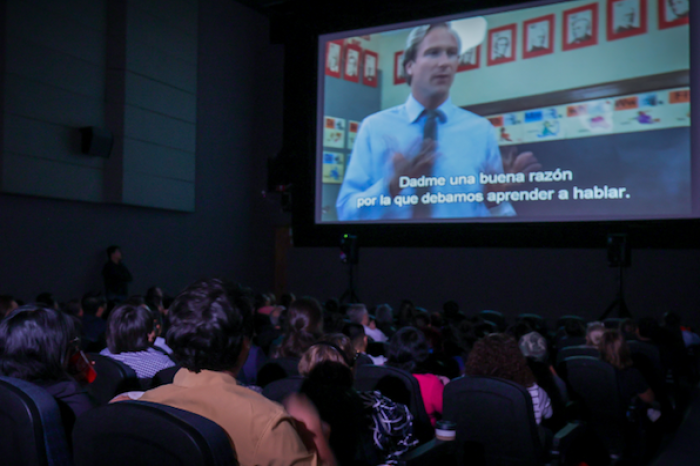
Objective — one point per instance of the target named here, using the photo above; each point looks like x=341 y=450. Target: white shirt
x=375 y=334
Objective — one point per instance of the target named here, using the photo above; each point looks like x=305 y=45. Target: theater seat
x=401 y=387
x=31 y=430
x=570 y=351
x=113 y=378
x=279 y=389
x=497 y=414
x=165 y=376
x=138 y=433
x=495 y=317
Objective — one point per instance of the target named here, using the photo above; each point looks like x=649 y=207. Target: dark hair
x=355 y=332
x=408 y=349
x=46 y=299
x=208 y=324
x=136 y=300
x=498 y=355
x=518 y=330
x=111 y=250
x=384 y=315
x=72 y=308
x=154 y=298
x=356 y=312
x=303 y=327
x=649 y=328
x=93 y=301
x=128 y=328
x=35 y=343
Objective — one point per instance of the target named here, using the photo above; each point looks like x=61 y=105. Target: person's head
x=679 y=7
x=384 y=314
x=501 y=46
x=574 y=328
x=36 y=343
x=594 y=332
x=287 y=299
x=580 y=28
x=430 y=62
x=614 y=350
x=408 y=349
x=358 y=314
x=211 y=323
x=93 y=303
x=129 y=329
x=7 y=305
x=421 y=318
x=154 y=299
x=46 y=299
x=672 y=320
x=498 y=355
x=539 y=36
x=356 y=334
x=628 y=326
x=533 y=345
x=304 y=325
x=335 y=347
x=73 y=308
x=114 y=253
x=648 y=328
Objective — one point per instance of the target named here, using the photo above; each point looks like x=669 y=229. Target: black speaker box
x=96 y=141
x=619 y=253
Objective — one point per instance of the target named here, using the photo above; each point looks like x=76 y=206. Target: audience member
x=116 y=276
x=356 y=334
x=47 y=299
x=93 y=306
x=406 y=311
x=358 y=420
x=498 y=355
x=384 y=318
x=7 y=305
x=37 y=344
x=408 y=350
x=594 y=332
x=130 y=336
x=358 y=314
x=614 y=350
x=211 y=327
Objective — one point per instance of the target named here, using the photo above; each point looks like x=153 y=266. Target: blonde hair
x=335 y=347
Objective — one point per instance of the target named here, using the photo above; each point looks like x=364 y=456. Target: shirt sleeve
x=392 y=426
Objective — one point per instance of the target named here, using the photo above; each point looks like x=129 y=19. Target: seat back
x=401 y=387
x=498 y=414
x=139 y=433
x=495 y=317
x=650 y=352
x=113 y=377
x=563 y=320
x=31 y=429
x=595 y=383
x=536 y=322
x=583 y=350
x=165 y=376
x=279 y=389
x=613 y=322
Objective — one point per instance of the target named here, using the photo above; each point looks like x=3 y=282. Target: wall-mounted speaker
x=619 y=252
x=96 y=141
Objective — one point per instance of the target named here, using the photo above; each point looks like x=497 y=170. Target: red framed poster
x=334 y=55
x=626 y=18
x=502 y=44
x=538 y=36
x=351 y=64
x=370 y=61
x=673 y=13
x=399 y=71
x=580 y=27
x=470 y=60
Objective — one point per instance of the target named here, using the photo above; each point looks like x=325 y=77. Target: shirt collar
x=414 y=109
x=187 y=378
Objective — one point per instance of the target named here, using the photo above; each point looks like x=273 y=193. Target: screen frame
x=303 y=143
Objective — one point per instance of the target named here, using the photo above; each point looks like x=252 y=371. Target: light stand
x=619 y=255
x=350 y=255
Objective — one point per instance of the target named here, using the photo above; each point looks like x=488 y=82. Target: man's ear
x=409 y=68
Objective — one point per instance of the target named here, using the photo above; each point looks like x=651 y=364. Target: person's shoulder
x=383 y=116
x=461 y=115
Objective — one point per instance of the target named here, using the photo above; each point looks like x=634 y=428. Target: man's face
x=502 y=46
x=679 y=7
x=435 y=65
x=117 y=256
x=539 y=38
x=580 y=28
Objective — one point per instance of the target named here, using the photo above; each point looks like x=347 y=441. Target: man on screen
x=427 y=148
x=679 y=8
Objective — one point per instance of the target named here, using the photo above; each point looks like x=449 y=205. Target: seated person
x=498 y=355
x=304 y=326
x=210 y=330
x=356 y=334
x=130 y=335
x=36 y=345
x=357 y=313
x=94 y=306
x=614 y=350
x=408 y=350
x=594 y=333
x=358 y=420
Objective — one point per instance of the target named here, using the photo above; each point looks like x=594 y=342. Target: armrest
x=433 y=452
x=564 y=437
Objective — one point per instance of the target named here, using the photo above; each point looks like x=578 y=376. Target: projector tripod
x=350 y=255
x=619 y=255
x=350 y=295
x=619 y=301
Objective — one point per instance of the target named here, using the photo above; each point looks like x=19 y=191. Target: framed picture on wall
x=351 y=65
x=334 y=54
x=399 y=71
x=370 y=60
x=673 y=13
x=626 y=18
x=502 y=44
x=580 y=27
x=470 y=60
x=538 y=35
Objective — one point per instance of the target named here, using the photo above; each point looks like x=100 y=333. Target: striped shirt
x=540 y=402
